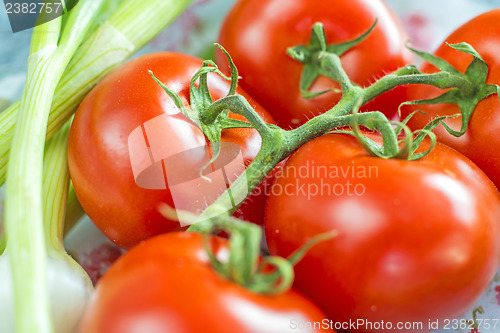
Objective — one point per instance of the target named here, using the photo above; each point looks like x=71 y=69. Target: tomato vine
x=466 y=90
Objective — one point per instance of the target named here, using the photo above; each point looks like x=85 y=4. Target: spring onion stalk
x=3 y=240
x=50 y=53
x=130 y=27
x=74 y=211
x=69 y=285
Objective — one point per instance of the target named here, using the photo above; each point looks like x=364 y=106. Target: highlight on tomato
x=129 y=100
x=416 y=240
x=258 y=33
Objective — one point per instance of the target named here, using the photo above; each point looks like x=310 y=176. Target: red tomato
x=481 y=142
x=167 y=284
x=99 y=150
x=417 y=240
x=257 y=34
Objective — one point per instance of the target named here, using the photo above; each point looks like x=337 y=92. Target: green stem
x=277 y=144
x=442 y=80
x=128 y=29
x=330 y=63
x=238 y=105
x=265 y=161
x=26 y=247
x=327 y=121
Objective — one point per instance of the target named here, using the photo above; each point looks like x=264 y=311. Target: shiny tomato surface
x=416 y=240
x=124 y=206
x=166 y=284
x=257 y=34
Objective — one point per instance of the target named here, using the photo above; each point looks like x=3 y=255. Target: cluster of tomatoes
x=417 y=241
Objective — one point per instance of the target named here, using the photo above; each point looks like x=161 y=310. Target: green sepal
x=216 y=263
x=416 y=143
x=441 y=64
x=404 y=152
x=201 y=101
x=309 y=55
x=367 y=143
x=244 y=253
x=466 y=110
x=448 y=97
x=276 y=282
x=188 y=113
x=341 y=48
x=418 y=136
x=298 y=254
x=404 y=122
x=234 y=71
x=199 y=96
x=392 y=148
x=245 y=266
x=374 y=120
x=466 y=99
x=477 y=71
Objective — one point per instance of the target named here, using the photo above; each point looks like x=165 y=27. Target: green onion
x=50 y=53
x=69 y=285
x=74 y=211
x=130 y=27
x=43 y=289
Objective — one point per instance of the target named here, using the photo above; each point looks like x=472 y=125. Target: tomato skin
x=99 y=158
x=481 y=142
x=257 y=34
x=418 y=240
x=166 y=284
